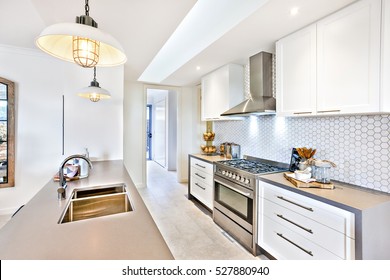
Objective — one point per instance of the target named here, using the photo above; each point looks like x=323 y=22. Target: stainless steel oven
x=236 y=200
x=235 y=203
x=233 y=210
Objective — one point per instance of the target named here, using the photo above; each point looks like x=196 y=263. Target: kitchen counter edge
x=34 y=232
x=346 y=196
x=209 y=158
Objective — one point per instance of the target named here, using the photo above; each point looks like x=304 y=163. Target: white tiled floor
x=185 y=225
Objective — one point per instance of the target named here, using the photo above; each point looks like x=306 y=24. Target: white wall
x=172 y=131
x=134 y=127
x=40 y=82
x=96 y=125
x=190 y=128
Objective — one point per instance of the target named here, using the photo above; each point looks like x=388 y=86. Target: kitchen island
x=35 y=232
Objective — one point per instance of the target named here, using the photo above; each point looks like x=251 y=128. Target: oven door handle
x=233 y=188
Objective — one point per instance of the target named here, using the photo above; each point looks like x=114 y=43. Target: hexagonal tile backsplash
x=359 y=145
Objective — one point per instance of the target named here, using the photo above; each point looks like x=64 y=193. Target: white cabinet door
x=385 y=74
x=296 y=73
x=348 y=59
x=221 y=90
x=214 y=87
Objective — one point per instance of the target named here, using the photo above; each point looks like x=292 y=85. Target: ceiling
x=143 y=27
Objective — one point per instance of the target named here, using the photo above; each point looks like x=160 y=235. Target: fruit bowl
x=208 y=136
x=208 y=149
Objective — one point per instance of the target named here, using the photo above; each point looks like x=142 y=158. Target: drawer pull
x=200 y=165
x=293 y=243
x=302 y=113
x=295 y=224
x=292 y=202
x=200 y=176
x=329 y=111
x=200 y=186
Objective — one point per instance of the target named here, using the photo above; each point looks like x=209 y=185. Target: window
x=7 y=134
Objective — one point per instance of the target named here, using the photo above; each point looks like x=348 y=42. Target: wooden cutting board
x=56 y=178
x=300 y=184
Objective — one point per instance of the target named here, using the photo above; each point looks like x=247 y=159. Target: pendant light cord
x=94 y=74
x=86 y=8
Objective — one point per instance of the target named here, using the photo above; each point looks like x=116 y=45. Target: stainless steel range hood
x=261 y=102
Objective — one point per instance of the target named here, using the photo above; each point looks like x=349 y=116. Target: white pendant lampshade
x=94 y=92
x=82 y=43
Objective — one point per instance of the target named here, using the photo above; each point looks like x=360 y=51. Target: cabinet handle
x=297 y=204
x=200 y=176
x=200 y=186
x=329 y=111
x=293 y=243
x=200 y=165
x=295 y=224
x=302 y=113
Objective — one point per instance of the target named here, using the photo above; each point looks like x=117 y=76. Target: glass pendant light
x=94 y=92
x=81 y=42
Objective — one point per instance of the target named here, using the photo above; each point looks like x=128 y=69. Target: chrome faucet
x=61 y=191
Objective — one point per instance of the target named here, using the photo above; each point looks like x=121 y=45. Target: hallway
x=186 y=226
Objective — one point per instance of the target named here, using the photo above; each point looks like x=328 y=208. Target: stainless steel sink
x=93 y=202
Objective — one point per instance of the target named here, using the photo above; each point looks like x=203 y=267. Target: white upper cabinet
x=333 y=66
x=348 y=59
x=222 y=90
x=296 y=75
x=385 y=70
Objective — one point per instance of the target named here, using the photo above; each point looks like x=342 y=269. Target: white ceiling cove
x=204 y=24
x=143 y=27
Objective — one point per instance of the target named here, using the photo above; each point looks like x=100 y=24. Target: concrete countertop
x=34 y=232
x=349 y=197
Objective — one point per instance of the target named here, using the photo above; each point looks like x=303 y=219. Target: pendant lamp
x=94 y=92
x=82 y=43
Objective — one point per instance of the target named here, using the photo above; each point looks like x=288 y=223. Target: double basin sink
x=97 y=201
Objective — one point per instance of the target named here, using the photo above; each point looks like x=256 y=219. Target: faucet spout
x=61 y=190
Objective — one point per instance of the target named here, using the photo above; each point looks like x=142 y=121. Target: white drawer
x=202 y=176
x=203 y=192
x=328 y=215
x=328 y=238
x=202 y=165
x=285 y=244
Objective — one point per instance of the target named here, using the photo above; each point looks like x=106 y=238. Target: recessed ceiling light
x=294 y=11
x=197 y=67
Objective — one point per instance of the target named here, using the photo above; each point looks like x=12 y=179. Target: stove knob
x=242 y=179
x=246 y=181
x=234 y=176
x=238 y=178
x=230 y=175
x=223 y=172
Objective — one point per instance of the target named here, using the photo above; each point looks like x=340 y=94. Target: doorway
x=160 y=132
x=161 y=127
x=149 y=132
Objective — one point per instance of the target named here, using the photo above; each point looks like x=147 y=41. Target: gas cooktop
x=254 y=166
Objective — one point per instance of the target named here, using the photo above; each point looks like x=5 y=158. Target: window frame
x=10 y=133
